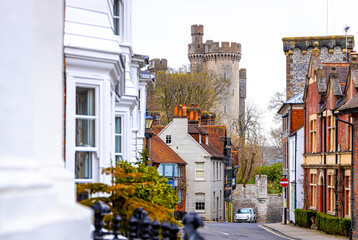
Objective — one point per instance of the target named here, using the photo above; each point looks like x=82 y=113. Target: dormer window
x=199 y=138
x=207 y=139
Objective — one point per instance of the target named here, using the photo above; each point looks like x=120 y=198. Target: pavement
x=296 y=232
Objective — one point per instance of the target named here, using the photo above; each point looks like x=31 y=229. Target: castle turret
x=298 y=51
x=197 y=32
x=223 y=61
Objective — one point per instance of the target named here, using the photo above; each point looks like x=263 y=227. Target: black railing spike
x=165 y=230
x=133 y=227
x=191 y=222
x=116 y=224
x=155 y=229
x=173 y=231
x=100 y=209
x=146 y=228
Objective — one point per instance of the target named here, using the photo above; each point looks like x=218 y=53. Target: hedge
x=303 y=217
x=333 y=225
x=325 y=222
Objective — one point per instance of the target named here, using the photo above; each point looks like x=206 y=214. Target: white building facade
x=105 y=92
x=204 y=173
x=296 y=172
x=37 y=195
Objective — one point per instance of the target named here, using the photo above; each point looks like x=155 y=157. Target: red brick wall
x=355 y=176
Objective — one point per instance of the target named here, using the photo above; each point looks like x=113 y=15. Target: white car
x=245 y=215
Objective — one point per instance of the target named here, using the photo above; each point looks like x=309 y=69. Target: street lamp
x=148 y=133
x=148 y=120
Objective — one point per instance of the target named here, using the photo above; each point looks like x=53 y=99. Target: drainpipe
x=352 y=134
x=325 y=161
x=295 y=171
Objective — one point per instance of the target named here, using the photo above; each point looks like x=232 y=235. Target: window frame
x=200 y=170
x=118 y=155
x=199 y=203
x=117 y=28
x=313 y=186
x=168 y=139
x=93 y=150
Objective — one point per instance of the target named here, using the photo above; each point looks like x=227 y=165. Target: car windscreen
x=243 y=210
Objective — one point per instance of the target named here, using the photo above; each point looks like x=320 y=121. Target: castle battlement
x=330 y=42
x=211 y=47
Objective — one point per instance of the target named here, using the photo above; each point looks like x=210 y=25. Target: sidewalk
x=295 y=232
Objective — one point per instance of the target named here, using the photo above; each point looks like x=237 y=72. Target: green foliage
x=333 y=225
x=303 y=217
x=274 y=175
x=133 y=187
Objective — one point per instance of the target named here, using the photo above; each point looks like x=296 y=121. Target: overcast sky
x=161 y=29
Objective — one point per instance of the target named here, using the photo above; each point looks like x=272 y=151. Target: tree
x=133 y=187
x=247 y=135
x=275 y=103
x=173 y=88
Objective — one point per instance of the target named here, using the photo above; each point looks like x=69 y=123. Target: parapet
x=197 y=30
x=157 y=64
x=304 y=43
x=225 y=47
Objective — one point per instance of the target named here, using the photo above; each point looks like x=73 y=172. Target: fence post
x=191 y=222
x=100 y=209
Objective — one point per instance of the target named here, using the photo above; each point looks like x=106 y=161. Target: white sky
x=161 y=29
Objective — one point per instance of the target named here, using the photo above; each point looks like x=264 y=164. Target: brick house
x=292 y=122
x=327 y=140
x=351 y=109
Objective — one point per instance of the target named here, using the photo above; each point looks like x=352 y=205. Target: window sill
x=200 y=211
x=332 y=213
x=199 y=180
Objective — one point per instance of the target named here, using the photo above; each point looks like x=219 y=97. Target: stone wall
x=267 y=206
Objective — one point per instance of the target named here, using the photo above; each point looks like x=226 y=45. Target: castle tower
x=223 y=61
x=298 y=52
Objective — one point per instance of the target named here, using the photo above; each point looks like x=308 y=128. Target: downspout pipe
x=352 y=134
x=295 y=171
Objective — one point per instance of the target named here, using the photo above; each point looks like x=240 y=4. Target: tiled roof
x=212 y=150
x=192 y=129
x=350 y=105
x=162 y=153
x=157 y=129
x=216 y=133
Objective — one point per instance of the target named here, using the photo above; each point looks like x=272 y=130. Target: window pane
x=168 y=170
x=118 y=158
x=160 y=169
x=85 y=101
x=118 y=125
x=200 y=197
x=116 y=8
x=85 y=132
x=118 y=144
x=200 y=166
x=116 y=26
x=83 y=165
x=175 y=170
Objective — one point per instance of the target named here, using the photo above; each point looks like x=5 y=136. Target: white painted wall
x=36 y=192
x=191 y=152
x=97 y=58
x=296 y=174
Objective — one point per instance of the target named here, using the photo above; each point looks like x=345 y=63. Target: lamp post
x=148 y=125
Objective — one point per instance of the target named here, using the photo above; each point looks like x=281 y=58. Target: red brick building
x=327 y=139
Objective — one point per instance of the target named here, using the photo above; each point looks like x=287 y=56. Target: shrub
x=333 y=225
x=303 y=217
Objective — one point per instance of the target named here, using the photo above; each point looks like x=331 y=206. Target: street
x=216 y=231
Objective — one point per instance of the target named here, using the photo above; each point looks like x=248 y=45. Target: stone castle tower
x=222 y=60
x=298 y=52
